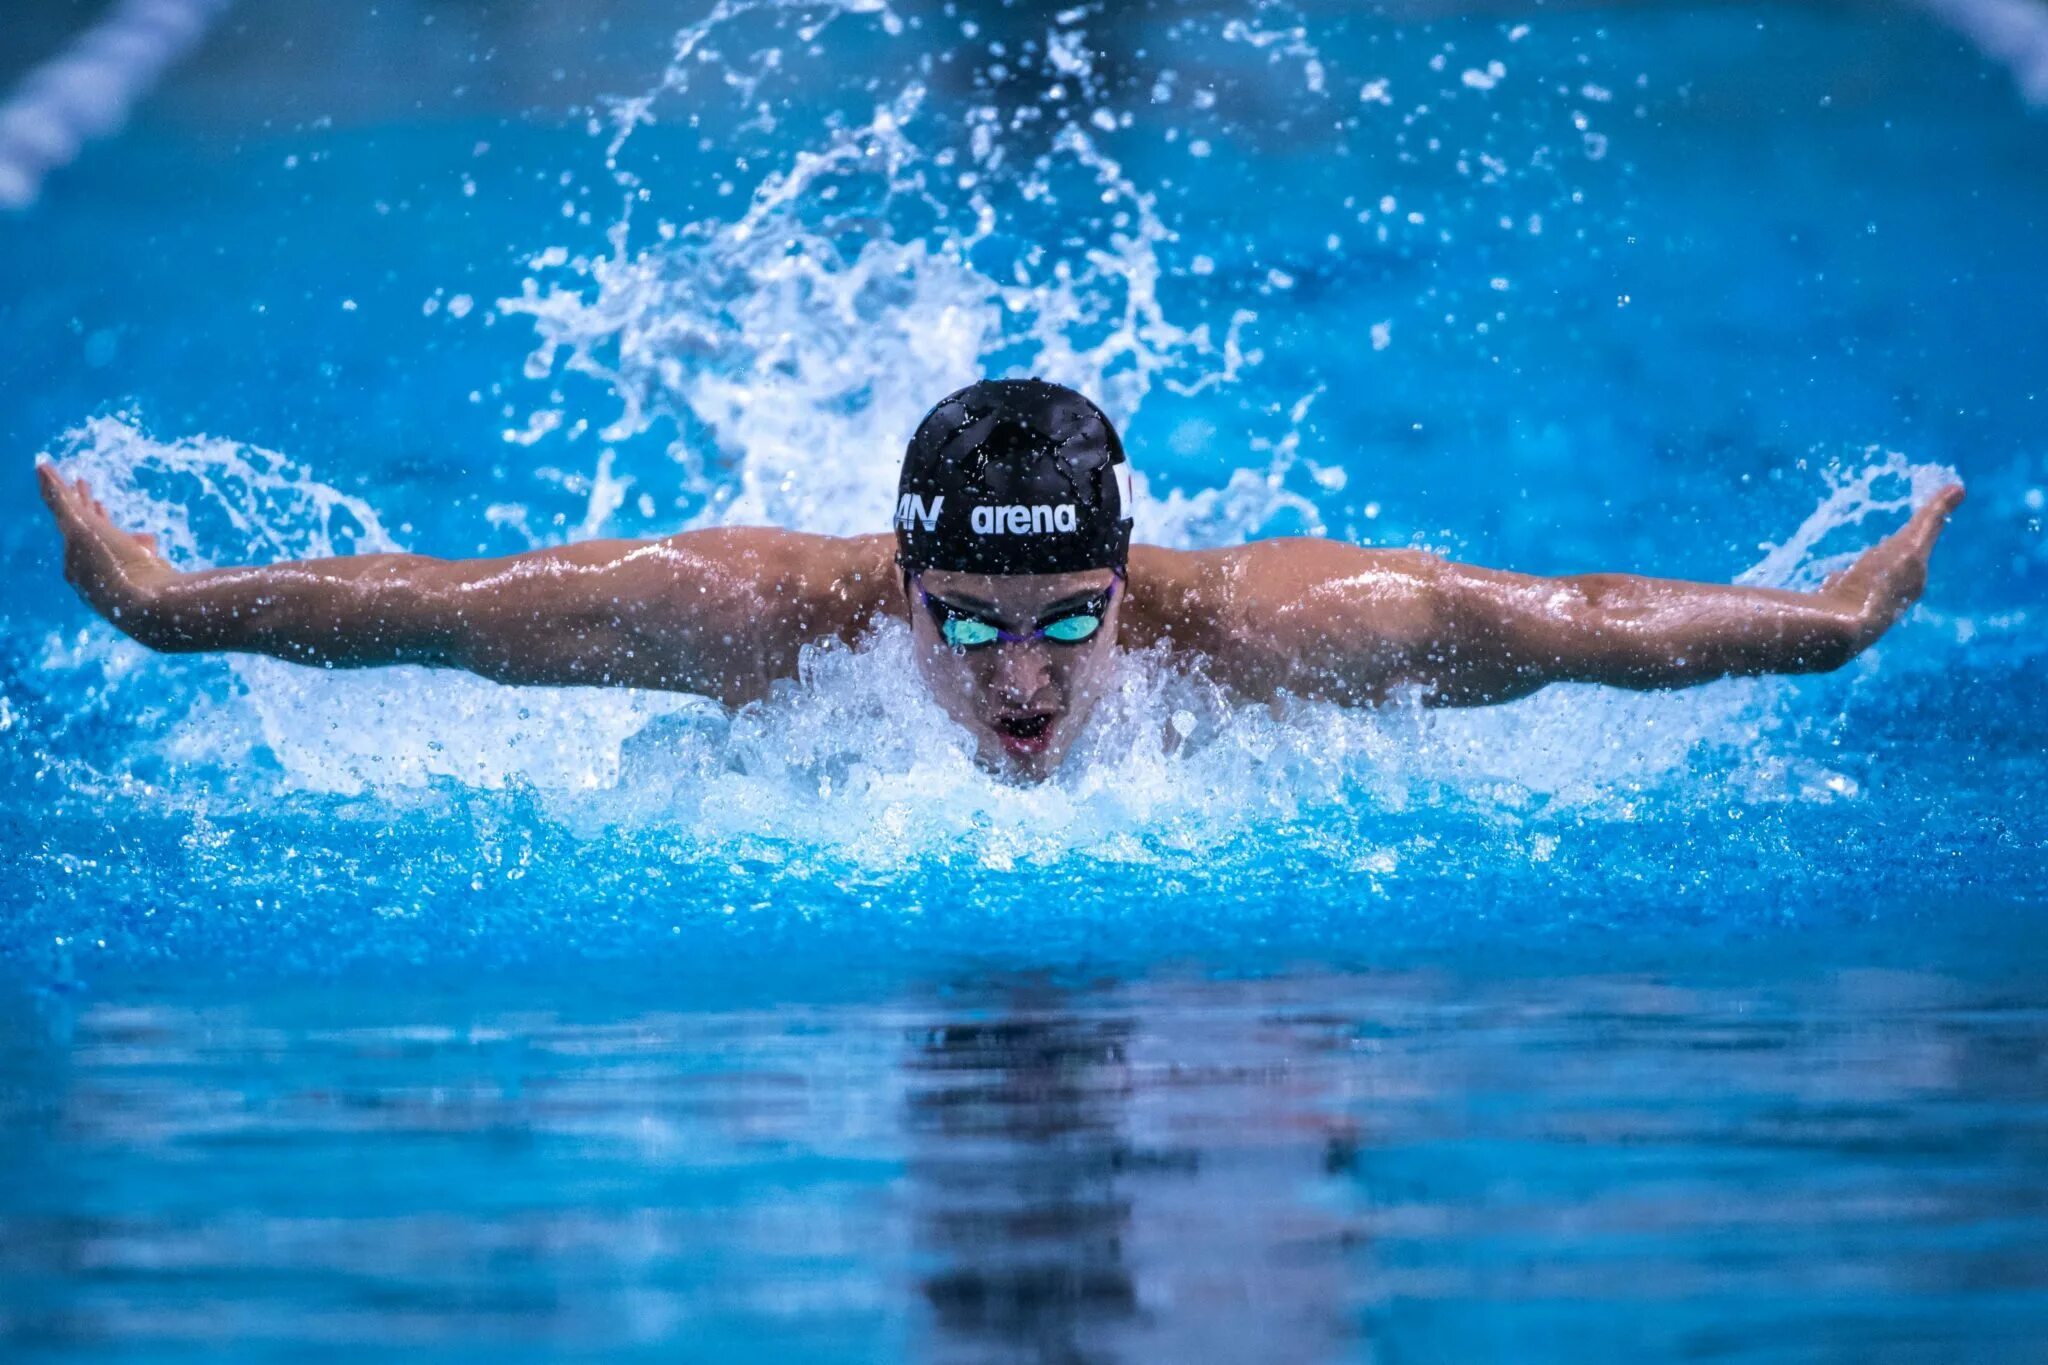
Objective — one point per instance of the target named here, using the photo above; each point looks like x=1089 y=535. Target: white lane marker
x=86 y=90
x=2013 y=33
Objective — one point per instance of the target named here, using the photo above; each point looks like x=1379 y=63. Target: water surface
x=398 y=1011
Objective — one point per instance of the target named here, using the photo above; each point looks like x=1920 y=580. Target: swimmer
x=1012 y=564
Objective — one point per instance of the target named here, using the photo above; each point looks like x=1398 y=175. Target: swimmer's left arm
x=1323 y=619
x=1501 y=636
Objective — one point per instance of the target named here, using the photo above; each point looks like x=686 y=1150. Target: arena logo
x=1025 y=521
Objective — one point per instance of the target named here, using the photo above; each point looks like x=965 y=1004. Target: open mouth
x=1025 y=734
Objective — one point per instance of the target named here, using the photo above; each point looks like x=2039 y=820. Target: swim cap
x=1014 y=476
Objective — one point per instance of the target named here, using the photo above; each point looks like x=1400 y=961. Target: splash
x=1885 y=482
x=211 y=501
x=852 y=761
x=772 y=347
x=790 y=346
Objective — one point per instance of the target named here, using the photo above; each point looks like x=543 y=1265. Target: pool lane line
x=2013 y=33
x=86 y=91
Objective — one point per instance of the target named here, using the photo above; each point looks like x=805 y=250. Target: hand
x=118 y=572
x=1889 y=576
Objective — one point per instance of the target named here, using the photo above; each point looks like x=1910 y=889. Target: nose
x=1020 y=672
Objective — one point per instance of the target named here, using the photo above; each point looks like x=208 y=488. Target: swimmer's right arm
x=718 y=612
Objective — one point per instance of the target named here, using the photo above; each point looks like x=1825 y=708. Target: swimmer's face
x=1024 y=701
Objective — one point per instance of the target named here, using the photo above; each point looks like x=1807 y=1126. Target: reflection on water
x=1402 y=1166
x=1022 y=1129
x=1095 y=1189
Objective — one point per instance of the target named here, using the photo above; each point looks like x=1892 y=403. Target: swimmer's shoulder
x=823 y=584
x=858 y=576
x=1221 y=600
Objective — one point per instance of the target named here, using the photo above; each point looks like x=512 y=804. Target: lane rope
x=2013 y=33
x=87 y=90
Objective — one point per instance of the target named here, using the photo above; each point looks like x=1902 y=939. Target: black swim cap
x=1014 y=476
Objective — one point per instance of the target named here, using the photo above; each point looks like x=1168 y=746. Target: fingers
x=1916 y=538
x=61 y=499
x=61 y=493
x=1904 y=555
x=56 y=490
x=1890 y=575
x=73 y=514
x=1932 y=517
x=84 y=519
x=71 y=500
x=1938 y=507
x=85 y=496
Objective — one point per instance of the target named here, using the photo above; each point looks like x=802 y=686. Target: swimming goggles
x=1068 y=625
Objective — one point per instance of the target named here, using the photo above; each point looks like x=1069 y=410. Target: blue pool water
x=402 y=1012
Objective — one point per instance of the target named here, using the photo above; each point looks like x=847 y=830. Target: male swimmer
x=1012 y=562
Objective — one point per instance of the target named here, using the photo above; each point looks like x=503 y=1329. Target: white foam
x=207 y=501
x=852 y=759
x=785 y=347
x=1883 y=483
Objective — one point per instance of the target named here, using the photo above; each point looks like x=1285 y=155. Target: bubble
x=772 y=349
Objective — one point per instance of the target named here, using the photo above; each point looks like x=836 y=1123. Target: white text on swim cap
x=1024 y=521
x=912 y=508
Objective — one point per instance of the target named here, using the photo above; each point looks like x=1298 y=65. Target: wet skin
x=725 y=613
x=1022 y=700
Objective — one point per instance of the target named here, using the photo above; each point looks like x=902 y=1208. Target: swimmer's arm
x=1501 y=636
x=721 y=612
x=1350 y=624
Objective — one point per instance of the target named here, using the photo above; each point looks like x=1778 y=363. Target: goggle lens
x=966 y=632
x=971 y=632
x=962 y=631
x=1072 y=630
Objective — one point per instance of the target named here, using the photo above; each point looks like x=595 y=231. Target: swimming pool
x=401 y=1011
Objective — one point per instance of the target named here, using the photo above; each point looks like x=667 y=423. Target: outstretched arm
x=1337 y=621
x=722 y=613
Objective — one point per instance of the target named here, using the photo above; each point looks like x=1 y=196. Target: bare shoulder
x=771 y=558
x=1284 y=612
x=1294 y=579
x=822 y=584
